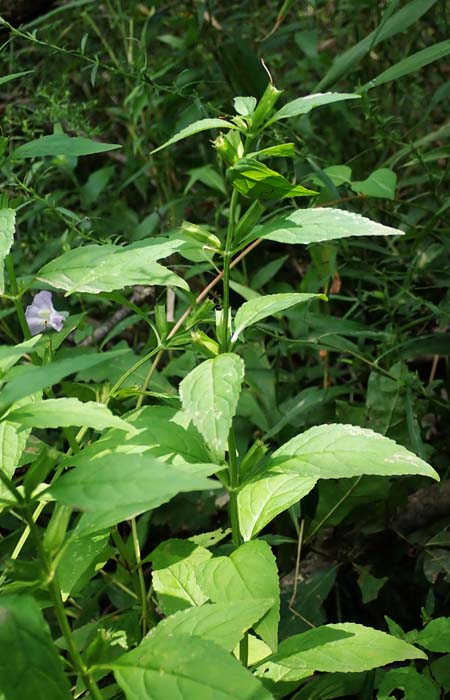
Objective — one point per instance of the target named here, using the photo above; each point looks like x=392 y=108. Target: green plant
x=214 y=602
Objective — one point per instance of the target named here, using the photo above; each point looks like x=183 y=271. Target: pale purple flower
x=41 y=314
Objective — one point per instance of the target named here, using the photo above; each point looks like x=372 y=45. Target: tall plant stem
x=233 y=476
x=55 y=594
x=225 y=334
x=17 y=301
x=140 y=573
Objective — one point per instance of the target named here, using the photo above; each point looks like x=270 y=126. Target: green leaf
x=256 y=309
x=261 y=500
x=332 y=686
x=25 y=380
x=7 y=228
x=195 y=128
x=282 y=150
x=436 y=635
x=249 y=573
x=254 y=179
x=163 y=433
x=388 y=27
x=209 y=395
x=414 y=685
x=222 y=623
x=31 y=667
x=175 y=563
x=244 y=105
x=61 y=145
x=13 y=439
x=334 y=451
x=303 y=105
x=116 y=487
x=411 y=64
x=346 y=648
x=10 y=354
x=57 y=413
x=320 y=224
x=381 y=183
x=79 y=559
x=105 y=268
x=166 y=666
x=369 y=585
x=12 y=76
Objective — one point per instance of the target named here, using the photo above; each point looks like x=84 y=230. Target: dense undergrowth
x=161 y=440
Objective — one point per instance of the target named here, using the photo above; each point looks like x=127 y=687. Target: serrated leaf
x=346 y=648
x=222 y=623
x=117 y=487
x=195 y=128
x=334 y=451
x=256 y=309
x=61 y=145
x=31 y=667
x=7 y=228
x=381 y=183
x=209 y=395
x=249 y=573
x=173 y=666
x=303 y=105
x=320 y=224
x=57 y=413
x=254 y=179
x=261 y=500
x=105 y=268
x=175 y=563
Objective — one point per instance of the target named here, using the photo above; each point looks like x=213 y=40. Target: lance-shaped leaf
x=61 y=145
x=256 y=309
x=209 y=395
x=303 y=105
x=7 y=228
x=168 y=666
x=105 y=268
x=58 y=413
x=410 y=64
x=335 y=451
x=31 y=667
x=249 y=573
x=28 y=379
x=261 y=500
x=254 y=179
x=10 y=354
x=120 y=486
x=195 y=128
x=320 y=224
x=346 y=648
